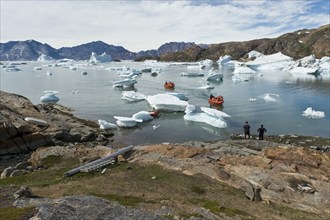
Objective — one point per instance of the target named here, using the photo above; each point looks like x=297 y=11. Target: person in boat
x=246 y=128
x=261 y=131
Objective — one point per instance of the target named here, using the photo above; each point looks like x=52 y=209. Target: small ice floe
x=127 y=122
x=49 y=73
x=214 y=76
x=155 y=127
x=310 y=113
x=73 y=68
x=50 y=97
x=125 y=83
x=37 y=68
x=192 y=74
x=236 y=78
x=303 y=70
x=84 y=73
x=166 y=102
x=209 y=116
x=207 y=86
x=132 y=96
x=143 y=115
x=11 y=68
x=104 y=125
x=75 y=91
x=269 y=97
x=252 y=99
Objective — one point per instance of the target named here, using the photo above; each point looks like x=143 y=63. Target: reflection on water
x=97 y=99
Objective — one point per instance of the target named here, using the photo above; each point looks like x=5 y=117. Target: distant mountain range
x=296 y=44
x=30 y=50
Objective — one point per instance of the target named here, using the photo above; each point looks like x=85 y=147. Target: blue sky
x=143 y=25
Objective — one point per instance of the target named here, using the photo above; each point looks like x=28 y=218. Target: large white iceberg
x=166 y=102
x=209 y=116
x=310 y=113
x=254 y=54
x=104 y=58
x=273 y=61
x=214 y=76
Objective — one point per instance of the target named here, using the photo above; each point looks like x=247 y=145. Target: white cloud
x=142 y=25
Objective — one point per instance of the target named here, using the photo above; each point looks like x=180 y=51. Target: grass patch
x=50 y=161
x=13 y=213
x=197 y=189
x=124 y=200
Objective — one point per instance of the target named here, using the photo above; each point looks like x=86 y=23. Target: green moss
x=124 y=200
x=50 y=161
x=13 y=213
x=197 y=189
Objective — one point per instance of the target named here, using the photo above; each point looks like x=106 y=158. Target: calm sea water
x=97 y=99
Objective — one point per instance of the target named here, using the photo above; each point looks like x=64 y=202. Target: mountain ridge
x=295 y=44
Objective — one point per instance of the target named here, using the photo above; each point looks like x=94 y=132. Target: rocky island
x=282 y=177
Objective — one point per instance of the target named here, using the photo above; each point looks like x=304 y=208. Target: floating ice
x=143 y=115
x=166 y=102
x=106 y=125
x=126 y=122
x=269 y=97
x=310 y=113
x=223 y=60
x=254 y=54
x=243 y=69
x=214 y=119
x=181 y=96
x=215 y=112
x=252 y=99
x=104 y=58
x=125 y=83
x=193 y=74
x=214 y=76
x=49 y=97
x=236 y=78
x=273 y=61
x=132 y=96
x=303 y=70
x=37 y=68
x=44 y=57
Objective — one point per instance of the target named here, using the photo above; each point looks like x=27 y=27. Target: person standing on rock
x=261 y=131
x=246 y=128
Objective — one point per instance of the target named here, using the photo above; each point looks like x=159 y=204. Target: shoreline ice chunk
x=269 y=97
x=104 y=125
x=310 y=113
x=214 y=112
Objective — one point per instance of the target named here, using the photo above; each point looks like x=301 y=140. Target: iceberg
x=214 y=76
x=181 y=96
x=192 y=74
x=104 y=125
x=212 y=118
x=243 y=69
x=215 y=112
x=104 y=58
x=125 y=83
x=43 y=58
x=269 y=97
x=205 y=64
x=126 y=122
x=224 y=60
x=310 y=113
x=254 y=54
x=143 y=115
x=166 y=102
x=132 y=96
x=50 y=97
x=303 y=70
x=273 y=61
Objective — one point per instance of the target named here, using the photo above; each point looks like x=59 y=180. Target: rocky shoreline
x=286 y=170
